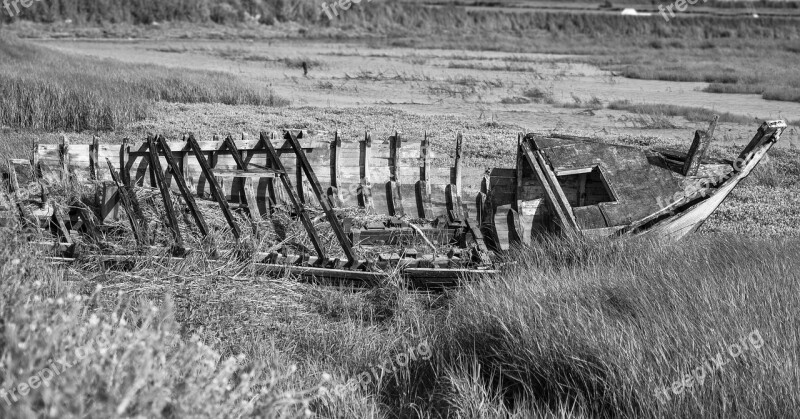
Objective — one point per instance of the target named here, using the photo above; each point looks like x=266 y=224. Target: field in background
x=570 y=329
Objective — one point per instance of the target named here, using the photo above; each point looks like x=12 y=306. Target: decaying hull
x=581 y=186
x=560 y=184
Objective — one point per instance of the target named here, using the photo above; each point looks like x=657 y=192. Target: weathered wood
x=186 y=193
x=252 y=205
x=395 y=197
x=93 y=159
x=109 y=203
x=458 y=165
x=552 y=199
x=216 y=191
x=333 y=220
x=423 y=191
x=131 y=207
x=365 y=155
x=335 y=193
x=124 y=157
x=292 y=193
x=702 y=139
x=166 y=196
x=64 y=155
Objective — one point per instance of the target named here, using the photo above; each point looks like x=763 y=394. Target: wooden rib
x=216 y=191
x=124 y=157
x=424 y=205
x=333 y=220
x=287 y=184
x=139 y=227
x=93 y=159
x=166 y=196
x=394 y=196
x=365 y=195
x=455 y=207
x=552 y=200
x=63 y=152
x=334 y=194
x=182 y=186
x=514 y=228
x=37 y=173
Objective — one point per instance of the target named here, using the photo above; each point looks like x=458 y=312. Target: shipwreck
x=463 y=216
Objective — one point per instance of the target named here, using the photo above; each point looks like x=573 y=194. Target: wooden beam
x=334 y=221
x=138 y=224
x=186 y=193
x=702 y=139
x=295 y=200
x=567 y=223
x=216 y=190
x=166 y=196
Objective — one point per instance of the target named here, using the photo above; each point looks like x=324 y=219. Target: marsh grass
x=658 y=112
x=46 y=90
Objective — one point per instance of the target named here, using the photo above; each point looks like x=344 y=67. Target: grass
x=694 y=114
x=46 y=90
x=573 y=328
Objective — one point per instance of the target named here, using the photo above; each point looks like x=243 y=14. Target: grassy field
x=571 y=328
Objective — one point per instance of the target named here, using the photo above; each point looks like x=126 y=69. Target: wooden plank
x=124 y=157
x=551 y=178
x=333 y=220
x=216 y=191
x=186 y=193
x=166 y=196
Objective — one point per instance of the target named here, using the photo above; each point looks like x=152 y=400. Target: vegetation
x=46 y=90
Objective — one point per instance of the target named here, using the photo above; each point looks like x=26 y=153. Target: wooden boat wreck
x=560 y=185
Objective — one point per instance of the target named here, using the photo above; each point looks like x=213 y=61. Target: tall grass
x=46 y=90
x=658 y=112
